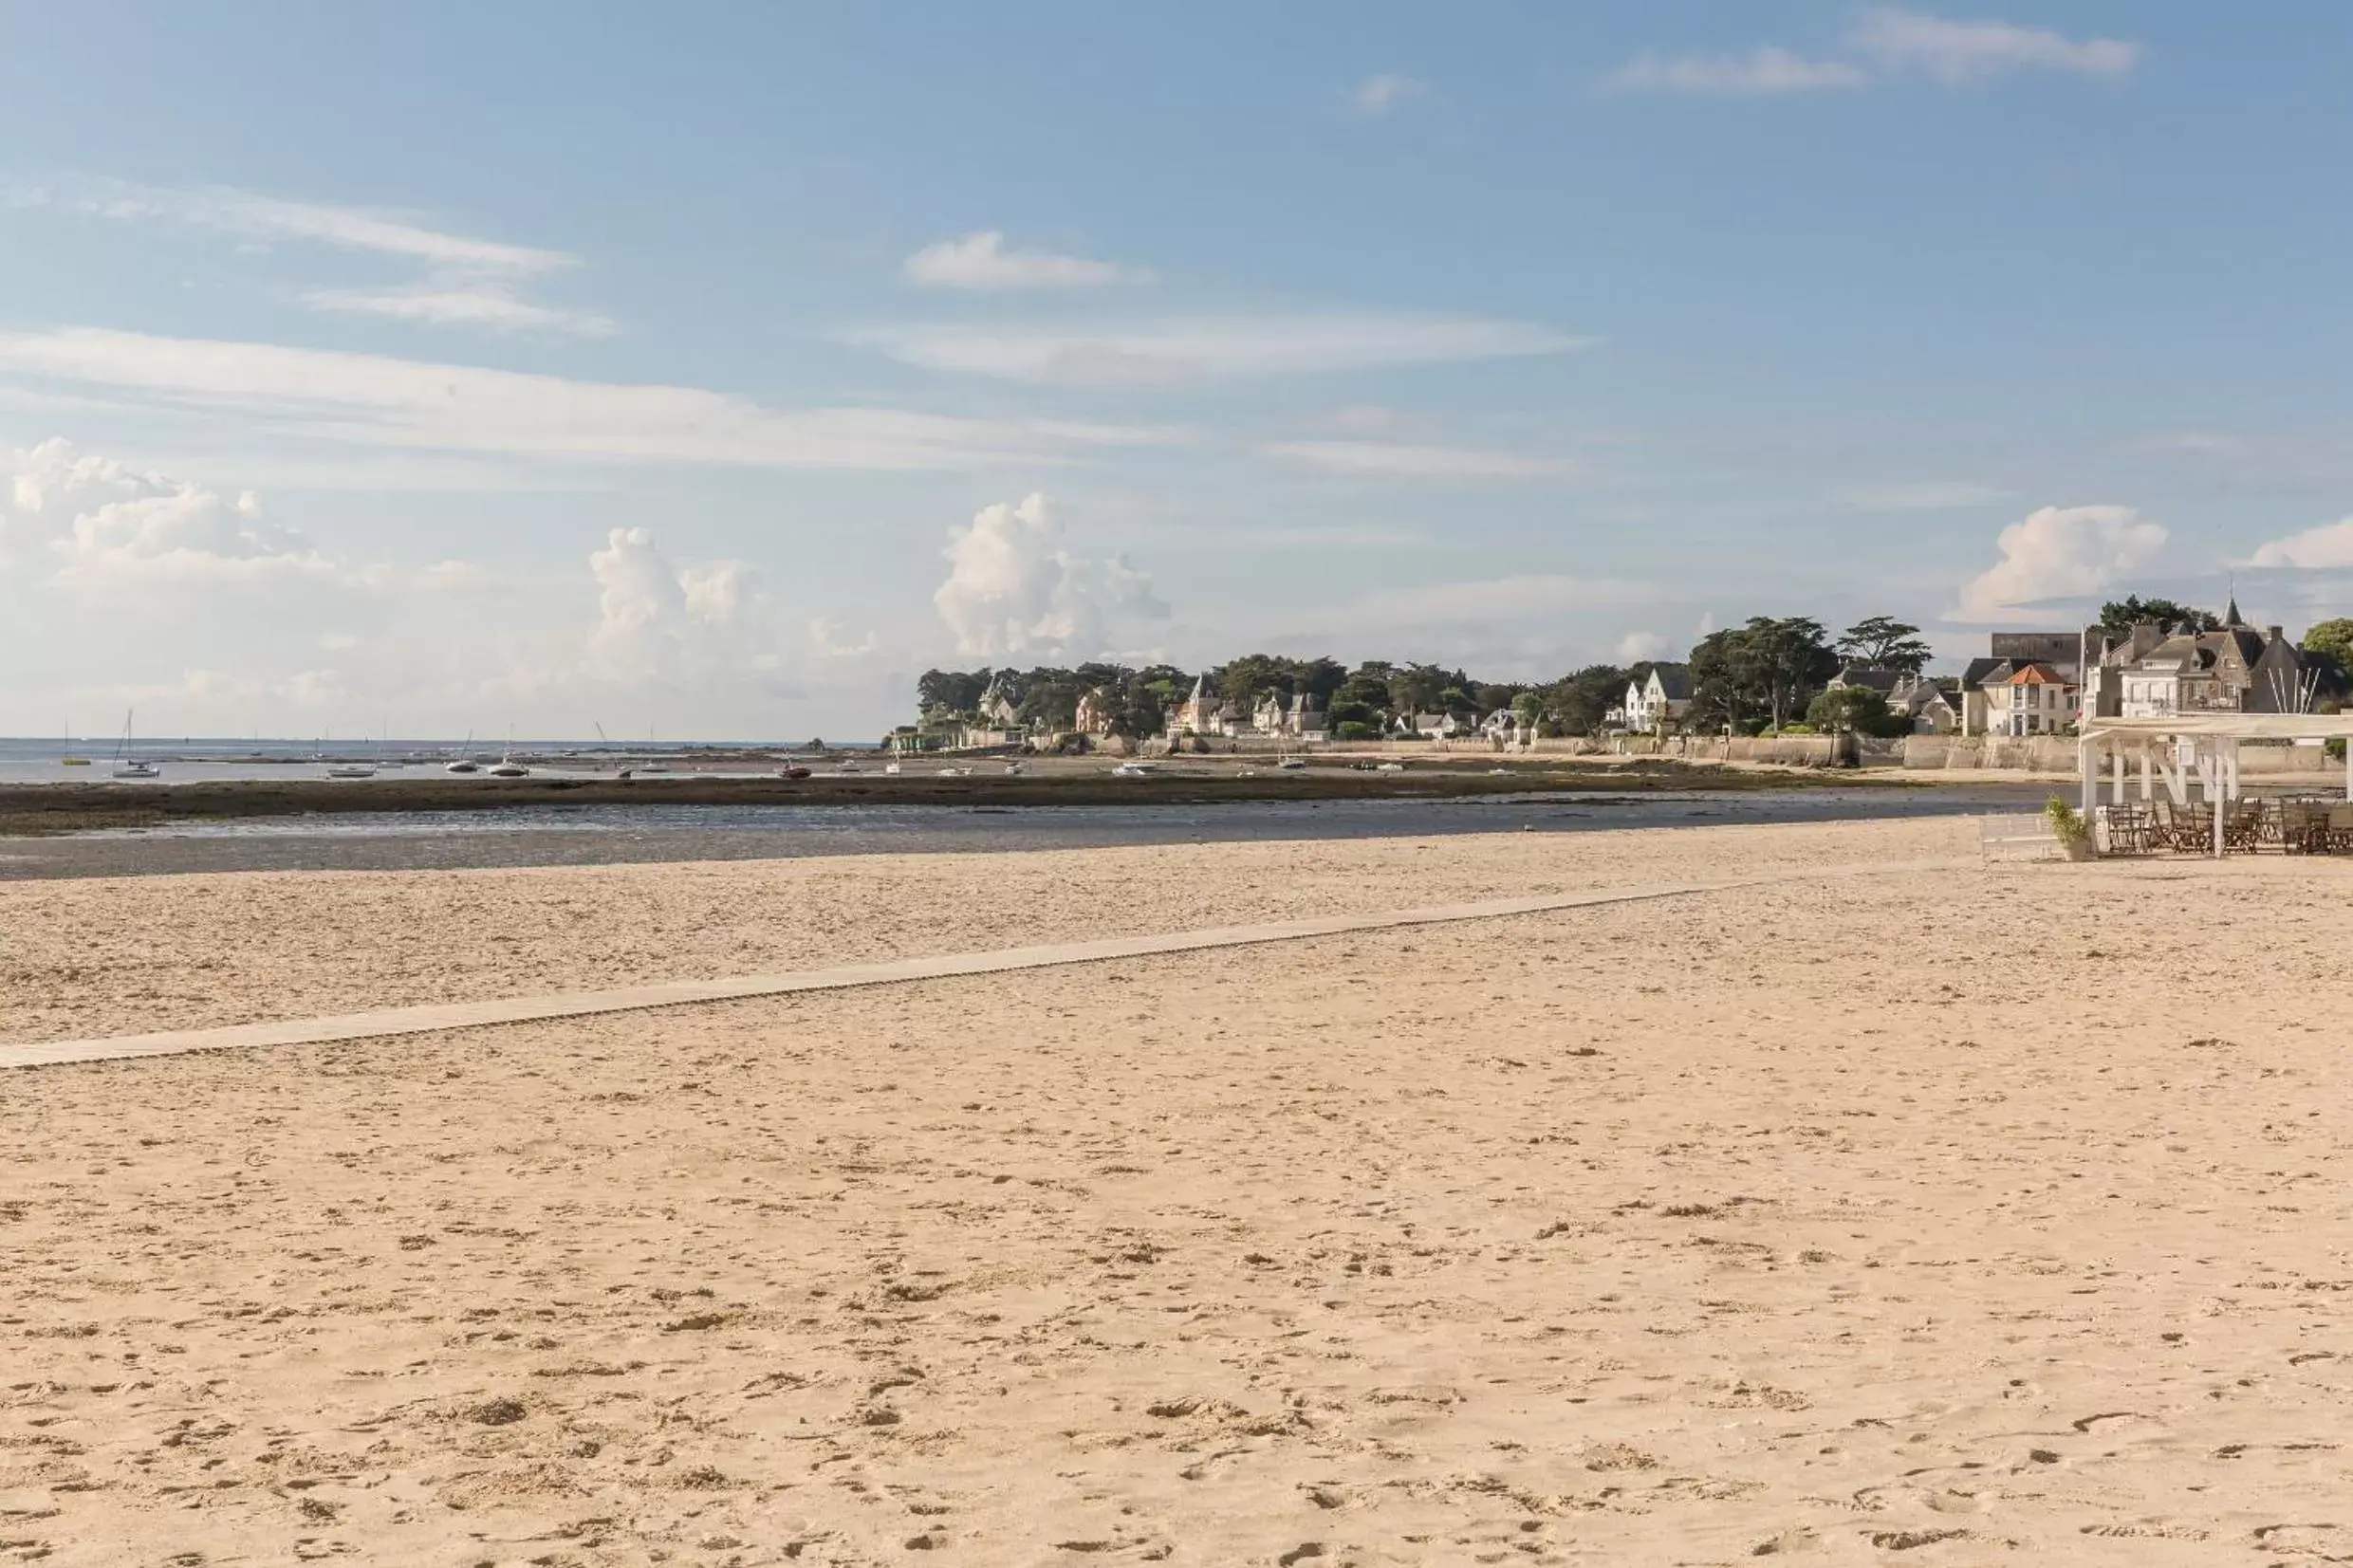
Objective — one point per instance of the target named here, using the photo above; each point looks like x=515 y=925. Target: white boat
x=1390 y=767
x=128 y=766
x=891 y=767
x=506 y=767
x=351 y=770
x=1132 y=770
x=1292 y=765
x=849 y=767
x=1013 y=768
x=463 y=764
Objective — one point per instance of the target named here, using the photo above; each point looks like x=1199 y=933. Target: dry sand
x=1989 y=1216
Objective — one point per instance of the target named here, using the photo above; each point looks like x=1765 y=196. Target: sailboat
x=69 y=759
x=506 y=767
x=463 y=764
x=129 y=766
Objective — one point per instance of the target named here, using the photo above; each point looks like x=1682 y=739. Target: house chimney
x=2272 y=634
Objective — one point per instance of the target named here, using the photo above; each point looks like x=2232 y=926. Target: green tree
x=1764 y=670
x=1422 y=687
x=2332 y=637
x=1886 y=643
x=2328 y=648
x=1244 y=680
x=951 y=690
x=1855 y=708
x=1579 y=701
x=2118 y=615
x=1320 y=678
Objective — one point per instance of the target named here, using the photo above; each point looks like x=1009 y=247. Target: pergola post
x=2218 y=806
x=2147 y=785
x=2116 y=773
x=2088 y=764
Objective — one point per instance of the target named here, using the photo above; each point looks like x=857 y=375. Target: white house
x=2034 y=699
x=1098 y=711
x=1297 y=717
x=1659 y=700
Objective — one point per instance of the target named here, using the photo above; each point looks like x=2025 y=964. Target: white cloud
x=1926 y=495
x=1162 y=352
x=1961 y=52
x=1014 y=590
x=253 y=216
x=1403 y=460
x=2058 y=553
x=662 y=624
x=1763 y=73
x=2330 y=545
x=833 y=638
x=1383 y=91
x=982 y=261
x=1637 y=647
x=469 y=281
x=375 y=400
x=479 y=303
x=93 y=520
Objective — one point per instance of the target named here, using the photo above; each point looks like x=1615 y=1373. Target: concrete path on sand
x=524 y=1010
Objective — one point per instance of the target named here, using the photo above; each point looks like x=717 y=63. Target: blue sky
x=459 y=367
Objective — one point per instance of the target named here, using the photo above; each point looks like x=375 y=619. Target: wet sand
x=1990 y=1215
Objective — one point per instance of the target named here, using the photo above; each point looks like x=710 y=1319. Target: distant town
x=1769 y=677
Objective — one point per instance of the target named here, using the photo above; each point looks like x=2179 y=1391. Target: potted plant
x=2070 y=827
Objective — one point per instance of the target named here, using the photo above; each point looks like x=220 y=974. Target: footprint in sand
x=2328 y=1543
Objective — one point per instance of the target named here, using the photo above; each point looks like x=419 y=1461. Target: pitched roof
x=1983 y=672
x=1878 y=678
x=1674 y=680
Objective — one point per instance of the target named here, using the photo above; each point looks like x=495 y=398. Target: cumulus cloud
x=1961 y=52
x=1766 y=72
x=84 y=516
x=2327 y=546
x=1015 y=589
x=2058 y=553
x=1635 y=647
x=1383 y=91
x=660 y=623
x=983 y=261
x=1155 y=353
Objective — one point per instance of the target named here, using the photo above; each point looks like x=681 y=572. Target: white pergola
x=2213 y=752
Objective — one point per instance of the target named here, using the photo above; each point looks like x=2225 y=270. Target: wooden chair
x=2131 y=829
x=2341 y=828
x=2304 y=827
x=2193 y=828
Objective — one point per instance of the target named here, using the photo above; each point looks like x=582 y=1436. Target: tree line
x=1763 y=672
x=1769 y=672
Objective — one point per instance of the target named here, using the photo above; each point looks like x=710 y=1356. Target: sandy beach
x=1956 y=1216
